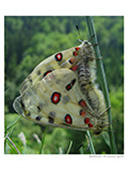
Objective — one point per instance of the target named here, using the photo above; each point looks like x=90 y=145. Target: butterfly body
x=87 y=77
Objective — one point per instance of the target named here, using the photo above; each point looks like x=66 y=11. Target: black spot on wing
x=39 y=109
x=28 y=114
x=38 y=118
x=22 y=104
x=38 y=72
x=30 y=79
x=51 y=117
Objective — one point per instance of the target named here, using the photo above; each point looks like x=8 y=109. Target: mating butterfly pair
x=61 y=91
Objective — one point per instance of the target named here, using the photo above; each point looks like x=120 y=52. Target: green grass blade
x=69 y=147
x=91 y=147
x=12 y=145
x=13 y=123
x=104 y=86
x=43 y=139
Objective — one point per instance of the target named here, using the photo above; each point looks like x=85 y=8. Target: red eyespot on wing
x=77 y=48
x=56 y=97
x=86 y=120
x=72 y=60
x=45 y=74
x=82 y=113
x=75 y=53
x=90 y=125
x=73 y=82
x=82 y=103
x=58 y=57
x=74 y=68
x=68 y=119
x=68 y=87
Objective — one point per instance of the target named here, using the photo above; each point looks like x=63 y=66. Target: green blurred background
x=31 y=39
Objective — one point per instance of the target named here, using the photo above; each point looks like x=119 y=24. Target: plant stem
x=91 y=147
x=104 y=86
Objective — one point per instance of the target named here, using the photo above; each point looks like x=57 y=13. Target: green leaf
x=106 y=138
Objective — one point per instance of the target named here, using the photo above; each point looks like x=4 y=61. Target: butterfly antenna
x=79 y=34
x=108 y=131
x=91 y=37
x=109 y=123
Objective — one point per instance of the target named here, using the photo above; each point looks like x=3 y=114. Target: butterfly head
x=86 y=47
x=86 y=42
x=101 y=121
x=98 y=129
x=99 y=124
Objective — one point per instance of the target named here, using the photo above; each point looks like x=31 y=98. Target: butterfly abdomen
x=87 y=75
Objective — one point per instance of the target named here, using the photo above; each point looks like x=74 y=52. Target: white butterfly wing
x=56 y=100
x=56 y=61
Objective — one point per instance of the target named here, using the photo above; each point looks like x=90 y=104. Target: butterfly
x=61 y=91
